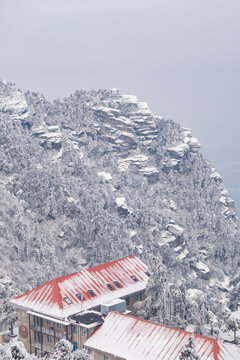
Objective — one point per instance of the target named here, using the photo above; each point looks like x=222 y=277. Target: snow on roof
x=113 y=302
x=70 y=294
x=132 y=338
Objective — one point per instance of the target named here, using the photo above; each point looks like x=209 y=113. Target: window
x=139 y=297
x=75 y=346
x=85 y=332
x=38 y=337
x=110 y=286
x=59 y=325
x=106 y=357
x=37 y=320
x=80 y=296
x=117 y=283
x=68 y=301
x=91 y=292
x=134 y=278
x=74 y=329
x=49 y=322
x=147 y=273
x=127 y=300
x=49 y=338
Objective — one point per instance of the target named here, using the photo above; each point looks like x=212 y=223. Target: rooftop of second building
x=86 y=289
x=132 y=338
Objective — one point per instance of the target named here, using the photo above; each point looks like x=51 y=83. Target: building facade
x=71 y=307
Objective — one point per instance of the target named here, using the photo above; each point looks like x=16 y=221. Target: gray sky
x=181 y=56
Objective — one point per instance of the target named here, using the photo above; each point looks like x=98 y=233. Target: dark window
x=37 y=320
x=106 y=357
x=127 y=300
x=80 y=296
x=49 y=338
x=74 y=329
x=91 y=292
x=134 y=278
x=85 y=332
x=75 y=346
x=139 y=297
x=49 y=322
x=39 y=337
x=68 y=301
x=110 y=286
x=147 y=273
x=118 y=285
x=59 y=325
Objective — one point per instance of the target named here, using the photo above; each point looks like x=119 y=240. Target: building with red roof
x=71 y=306
x=125 y=337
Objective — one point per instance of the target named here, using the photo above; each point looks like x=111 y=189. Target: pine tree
x=63 y=350
x=189 y=351
x=156 y=306
x=17 y=351
x=3 y=355
x=82 y=355
x=178 y=305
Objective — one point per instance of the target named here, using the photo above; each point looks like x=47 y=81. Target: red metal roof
x=132 y=338
x=58 y=298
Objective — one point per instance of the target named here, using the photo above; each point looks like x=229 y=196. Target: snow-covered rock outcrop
x=123 y=208
x=50 y=137
x=139 y=126
x=202 y=270
x=13 y=102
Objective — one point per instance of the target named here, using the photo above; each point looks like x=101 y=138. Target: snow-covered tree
x=156 y=305
x=63 y=350
x=82 y=355
x=234 y=294
x=178 y=305
x=189 y=351
x=17 y=351
x=233 y=324
x=3 y=355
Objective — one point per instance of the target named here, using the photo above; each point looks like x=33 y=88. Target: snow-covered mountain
x=97 y=176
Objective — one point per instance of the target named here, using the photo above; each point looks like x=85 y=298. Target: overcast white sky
x=181 y=56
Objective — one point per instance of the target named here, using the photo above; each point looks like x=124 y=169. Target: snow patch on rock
x=15 y=105
x=179 y=150
x=215 y=175
x=105 y=175
x=202 y=270
x=123 y=208
x=195 y=294
x=175 y=229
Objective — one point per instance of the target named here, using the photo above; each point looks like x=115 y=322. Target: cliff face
x=96 y=177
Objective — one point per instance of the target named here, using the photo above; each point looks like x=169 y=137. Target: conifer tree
x=189 y=351
x=63 y=350
x=156 y=306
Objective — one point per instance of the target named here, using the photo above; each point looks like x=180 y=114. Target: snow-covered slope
x=97 y=176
